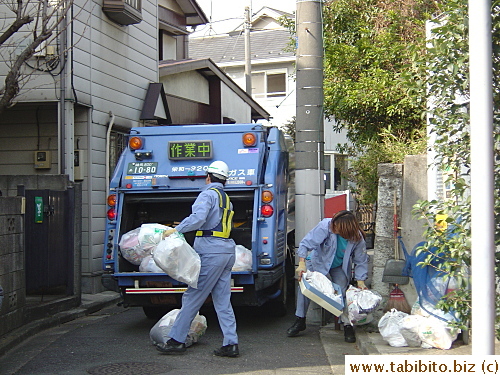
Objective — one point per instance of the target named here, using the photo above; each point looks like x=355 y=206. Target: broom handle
x=395 y=224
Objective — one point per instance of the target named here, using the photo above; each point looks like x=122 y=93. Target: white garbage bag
x=410 y=329
x=243 y=261
x=360 y=303
x=435 y=333
x=389 y=328
x=159 y=334
x=148 y=265
x=140 y=242
x=178 y=259
x=323 y=284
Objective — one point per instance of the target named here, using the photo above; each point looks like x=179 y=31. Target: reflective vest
x=223 y=229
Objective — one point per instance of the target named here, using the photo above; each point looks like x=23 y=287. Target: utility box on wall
x=43 y=159
x=79 y=164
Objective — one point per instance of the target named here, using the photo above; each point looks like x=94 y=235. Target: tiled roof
x=266 y=44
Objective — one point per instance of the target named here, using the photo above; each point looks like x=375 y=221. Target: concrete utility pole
x=248 y=57
x=309 y=144
x=482 y=181
x=309 y=140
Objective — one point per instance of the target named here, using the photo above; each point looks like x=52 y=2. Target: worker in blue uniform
x=332 y=247
x=211 y=217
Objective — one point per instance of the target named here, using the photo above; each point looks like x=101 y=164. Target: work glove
x=300 y=269
x=361 y=284
x=168 y=232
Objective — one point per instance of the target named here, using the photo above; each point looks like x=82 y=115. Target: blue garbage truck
x=158 y=177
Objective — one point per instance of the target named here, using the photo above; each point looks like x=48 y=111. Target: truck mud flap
x=266 y=278
x=110 y=283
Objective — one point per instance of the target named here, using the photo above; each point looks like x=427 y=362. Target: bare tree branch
x=47 y=17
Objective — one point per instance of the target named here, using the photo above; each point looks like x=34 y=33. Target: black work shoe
x=299 y=325
x=227 y=351
x=171 y=347
x=349 y=335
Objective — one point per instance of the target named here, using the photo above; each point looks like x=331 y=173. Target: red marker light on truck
x=111 y=214
x=266 y=210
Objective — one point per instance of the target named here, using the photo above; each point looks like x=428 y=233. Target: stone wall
x=12 y=275
x=400 y=185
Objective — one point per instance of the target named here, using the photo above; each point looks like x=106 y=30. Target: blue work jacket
x=205 y=215
x=319 y=246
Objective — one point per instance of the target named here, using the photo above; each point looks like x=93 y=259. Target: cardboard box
x=315 y=295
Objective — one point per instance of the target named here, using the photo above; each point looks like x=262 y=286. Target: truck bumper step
x=234 y=289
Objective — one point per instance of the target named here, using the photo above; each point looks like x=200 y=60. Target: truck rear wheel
x=277 y=306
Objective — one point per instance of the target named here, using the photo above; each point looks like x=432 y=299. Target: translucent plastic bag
x=360 y=303
x=148 y=265
x=159 y=334
x=243 y=260
x=178 y=259
x=140 y=242
x=389 y=327
x=323 y=284
x=410 y=328
x=435 y=333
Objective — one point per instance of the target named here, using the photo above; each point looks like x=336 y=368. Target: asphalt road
x=116 y=340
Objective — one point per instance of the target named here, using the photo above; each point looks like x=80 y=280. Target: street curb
x=365 y=345
x=88 y=306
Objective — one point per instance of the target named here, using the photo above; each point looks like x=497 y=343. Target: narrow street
x=116 y=340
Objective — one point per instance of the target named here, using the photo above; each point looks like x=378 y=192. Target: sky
x=226 y=15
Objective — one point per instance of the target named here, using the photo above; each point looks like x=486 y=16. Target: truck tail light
x=136 y=143
x=111 y=200
x=249 y=139
x=267 y=210
x=267 y=196
x=111 y=214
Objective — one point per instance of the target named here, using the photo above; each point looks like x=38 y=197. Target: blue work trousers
x=215 y=278
x=337 y=276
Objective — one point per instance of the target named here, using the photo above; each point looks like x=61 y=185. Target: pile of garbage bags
x=418 y=329
x=144 y=247
x=137 y=246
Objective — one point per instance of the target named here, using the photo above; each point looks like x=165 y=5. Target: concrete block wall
x=390 y=191
x=12 y=275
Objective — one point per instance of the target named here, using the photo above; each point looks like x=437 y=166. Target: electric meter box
x=79 y=163
x=43 y=159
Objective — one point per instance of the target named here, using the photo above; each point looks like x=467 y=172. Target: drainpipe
x=62 y=97
x=248 y=57
x=108 y=137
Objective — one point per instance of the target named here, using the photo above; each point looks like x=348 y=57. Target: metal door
x=49 y=242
